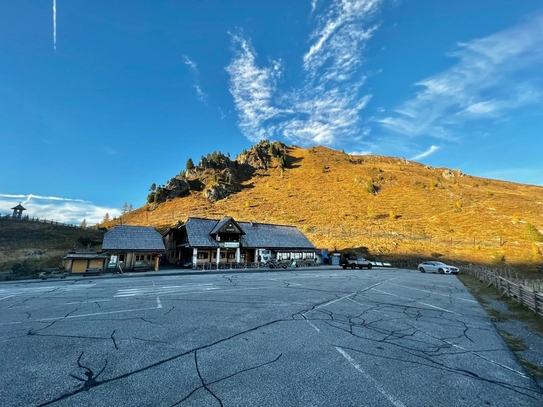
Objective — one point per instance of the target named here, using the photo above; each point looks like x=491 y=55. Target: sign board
x=229 y=245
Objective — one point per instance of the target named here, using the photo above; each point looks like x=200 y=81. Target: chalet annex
x=201 y=241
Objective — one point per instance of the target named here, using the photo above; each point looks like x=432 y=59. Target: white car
x=437 y=267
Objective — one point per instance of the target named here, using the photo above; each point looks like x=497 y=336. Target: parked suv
x=354 y=262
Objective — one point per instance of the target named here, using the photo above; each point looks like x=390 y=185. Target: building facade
x=134 y=247
x=201 y=241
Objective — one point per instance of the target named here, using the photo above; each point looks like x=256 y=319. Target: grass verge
x=515 y=311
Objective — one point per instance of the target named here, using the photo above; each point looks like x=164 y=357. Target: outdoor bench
x=93 y=271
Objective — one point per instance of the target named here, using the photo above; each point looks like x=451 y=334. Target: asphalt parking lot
x=380 y=337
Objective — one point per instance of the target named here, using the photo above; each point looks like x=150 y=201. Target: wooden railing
x=29 y=219
x=531 y=297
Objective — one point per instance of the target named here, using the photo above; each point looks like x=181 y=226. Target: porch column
x=218 y=255
x=238 y=254
x=194 y=256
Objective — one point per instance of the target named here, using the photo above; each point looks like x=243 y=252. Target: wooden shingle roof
x=256 y=235
x=136 y=238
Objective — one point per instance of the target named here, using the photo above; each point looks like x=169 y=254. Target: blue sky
x=100 y=99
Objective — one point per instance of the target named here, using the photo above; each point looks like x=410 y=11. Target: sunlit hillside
x=394 y=207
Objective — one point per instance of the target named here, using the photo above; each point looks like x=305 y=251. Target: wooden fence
x=523 y=291
x=29 y=219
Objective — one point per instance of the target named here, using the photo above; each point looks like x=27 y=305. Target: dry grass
x=415 y=211
x=487 y=295
x=19 y=238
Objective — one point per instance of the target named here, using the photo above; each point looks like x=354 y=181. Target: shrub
x=370 y=187
x=533 y=234
x=498 y=259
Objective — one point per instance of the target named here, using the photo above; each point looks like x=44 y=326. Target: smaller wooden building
x=80 y=262
x=18 y=211
x=134 y=247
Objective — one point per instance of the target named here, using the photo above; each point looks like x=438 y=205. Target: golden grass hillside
x=19 y=238
x=394 y=207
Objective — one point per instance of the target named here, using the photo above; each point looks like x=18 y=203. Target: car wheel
x=353 y=266
x=369 y=266
x=344 y=267
x=440 y=271
x=422 y=270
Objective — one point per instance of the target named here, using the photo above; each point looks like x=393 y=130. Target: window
x=310 y=255
x=296 y=255
x=203 y=255
x=231 y=255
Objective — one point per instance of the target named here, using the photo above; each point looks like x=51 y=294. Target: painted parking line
x=432 y=292
x=418 y=302
x=393 y=400
x=45 y=289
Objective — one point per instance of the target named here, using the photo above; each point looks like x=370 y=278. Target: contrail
x=55 y=24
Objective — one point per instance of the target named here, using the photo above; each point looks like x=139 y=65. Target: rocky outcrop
x=221 y=191
x=219 y=176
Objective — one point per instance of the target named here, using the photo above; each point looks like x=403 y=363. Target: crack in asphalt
x=372 y=324
x=113 y=339
x=94 y=382
x=204 y=385
x=33 y=331
x=227 y=377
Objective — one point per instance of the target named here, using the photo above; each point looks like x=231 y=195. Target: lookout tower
x=18 y=211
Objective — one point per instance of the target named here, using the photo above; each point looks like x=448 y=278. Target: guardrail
x=528 y=296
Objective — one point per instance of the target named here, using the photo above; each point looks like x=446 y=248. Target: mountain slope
x=394 y=207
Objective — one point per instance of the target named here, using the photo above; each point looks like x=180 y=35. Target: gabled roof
x=220 y=224
x=133 y=238
x=256 y=235
x=21 y=207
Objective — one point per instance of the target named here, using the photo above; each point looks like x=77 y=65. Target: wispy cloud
x=65 y=210
x=202 y=96
x=359 y=152
x=431 y=150
x=493 y=76
x=253 y=89
x=340 y=38
x=325 y=109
